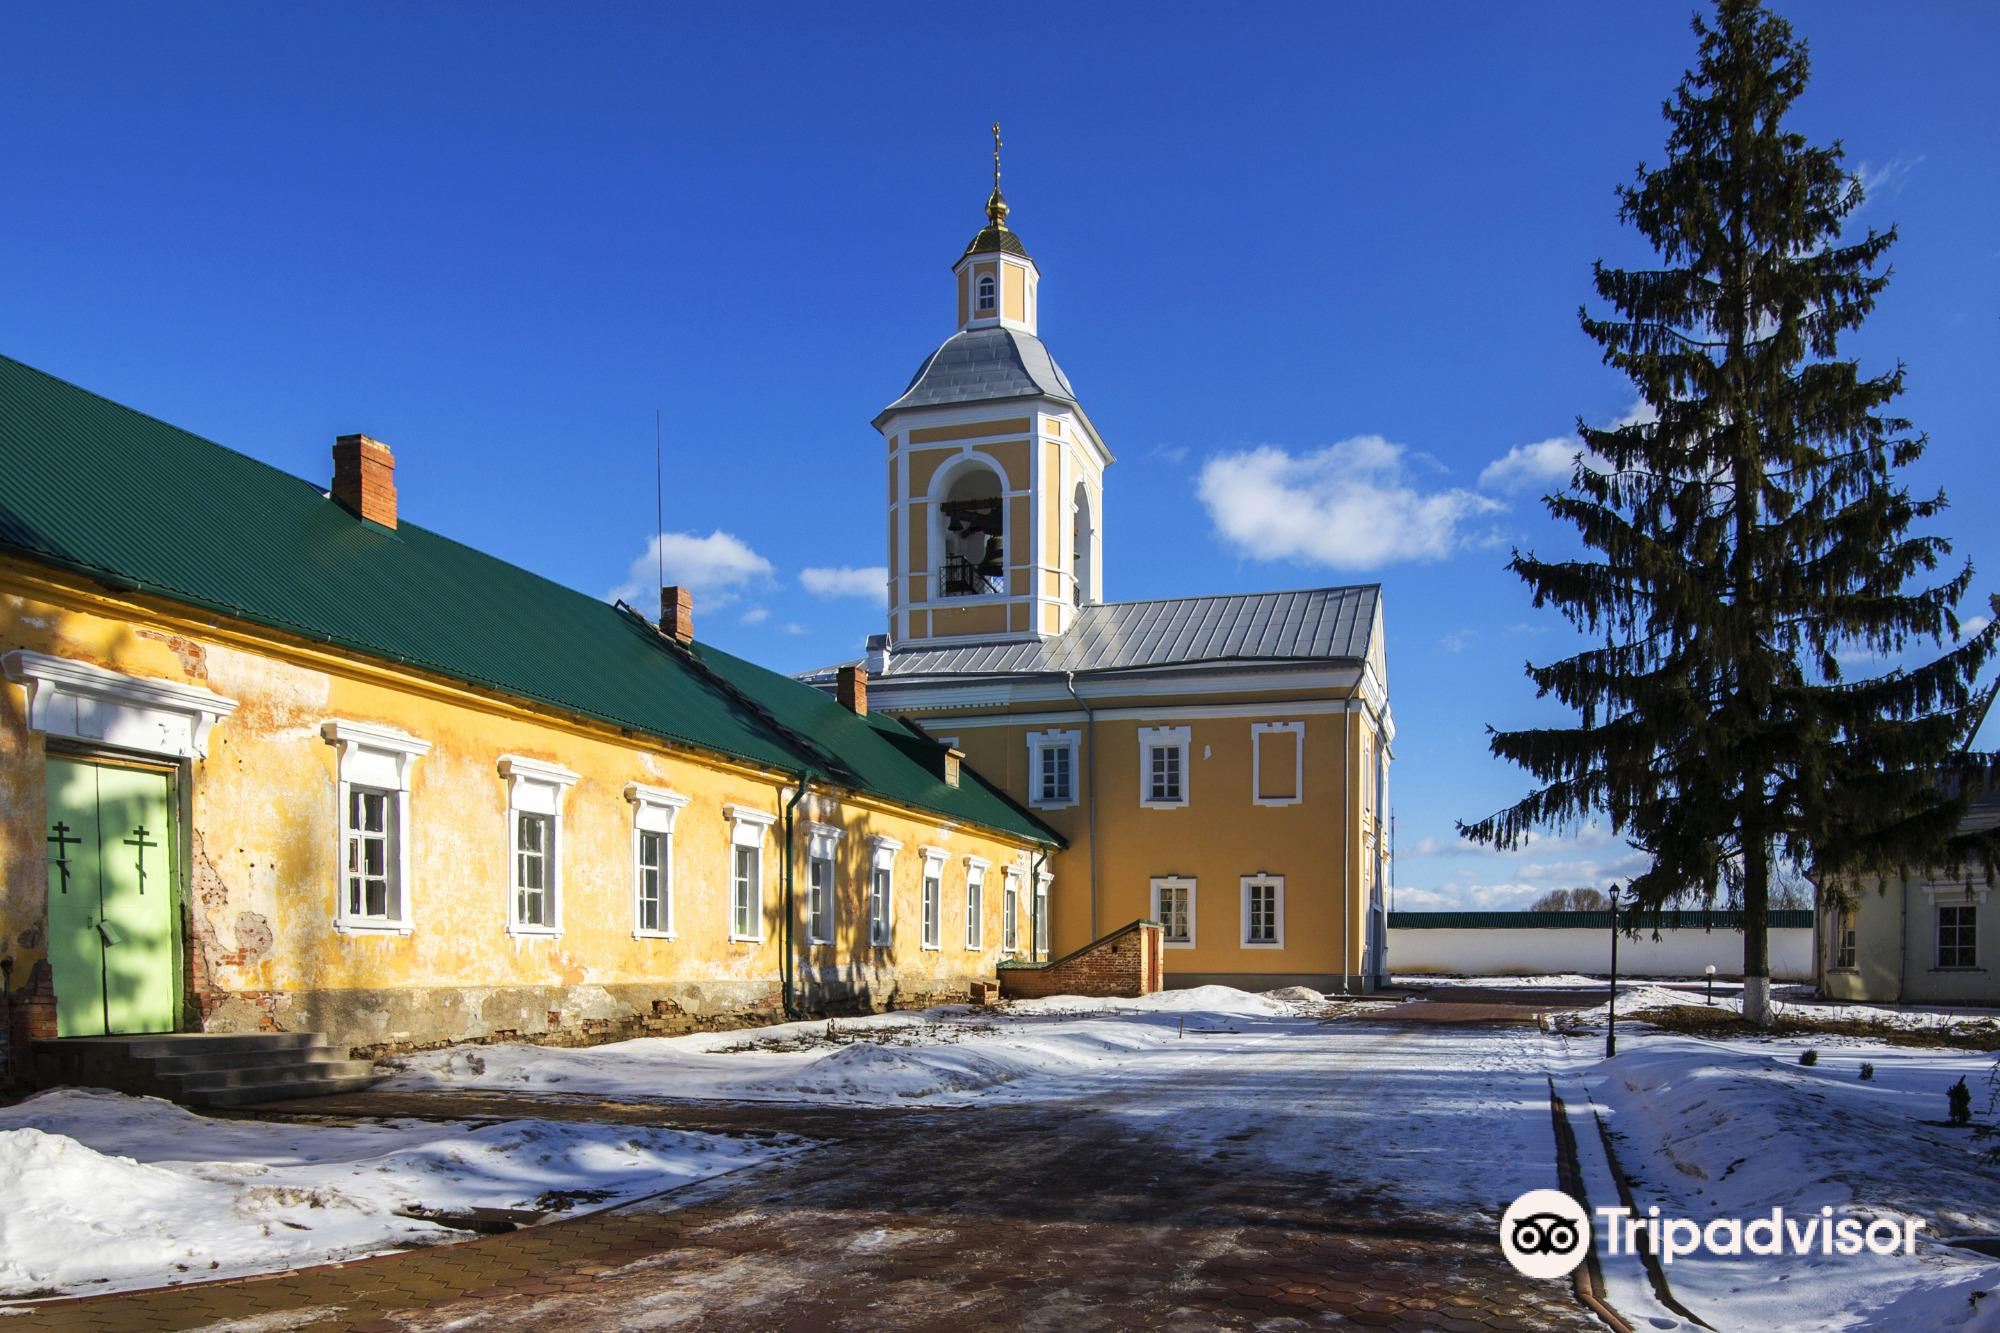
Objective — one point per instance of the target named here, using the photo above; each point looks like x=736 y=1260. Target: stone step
x=179 y=1063
x=263 y=1075
x=156 y=1044
x=253 y=1093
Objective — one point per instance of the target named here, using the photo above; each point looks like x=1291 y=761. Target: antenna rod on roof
x=659 y=501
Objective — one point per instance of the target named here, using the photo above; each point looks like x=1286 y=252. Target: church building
x=1217 y=764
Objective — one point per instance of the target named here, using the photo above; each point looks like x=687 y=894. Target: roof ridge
x=1215 y=596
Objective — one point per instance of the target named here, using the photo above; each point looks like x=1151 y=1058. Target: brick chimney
x=852 y=689
x=364 y=478
x=677 y=613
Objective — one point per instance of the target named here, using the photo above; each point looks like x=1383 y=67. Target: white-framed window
x=535 y=791
x=1010 y=912
x=932 y=908
x=1957 y=935
x=1163 y=767
x=822 y=845
x=1173 y=908
x=1277 y=763
x=988 y=290
x=747 y=830
x=1052 y=768
x=653 y=811
x=975 y=902
x=1263 y=911
x=1843 y=938
x=882 y=890
x=373 y=763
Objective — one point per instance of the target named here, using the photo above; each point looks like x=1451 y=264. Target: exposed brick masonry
x=364 y=478
x=1128 y=962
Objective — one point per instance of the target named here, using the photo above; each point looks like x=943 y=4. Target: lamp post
x=1711 y=983
x=1611 y=1023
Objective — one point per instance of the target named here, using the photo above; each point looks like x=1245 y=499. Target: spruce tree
x=1749 y=534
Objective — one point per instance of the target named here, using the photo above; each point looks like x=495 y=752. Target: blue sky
x=1318 y=260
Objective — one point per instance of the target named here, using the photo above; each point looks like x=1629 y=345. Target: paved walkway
x=1076 y=1217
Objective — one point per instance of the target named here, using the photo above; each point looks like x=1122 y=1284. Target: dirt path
x=1253 y=1180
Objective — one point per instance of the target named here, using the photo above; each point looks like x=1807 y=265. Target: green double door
x=112 y=914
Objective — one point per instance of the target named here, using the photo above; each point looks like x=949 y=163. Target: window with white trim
x=1843 y=938
x=1052 y=768
x=975 y=902
x=374 y=765
x=1277 y=763
x=1173 y=908
x=882 y=891
x=1163 y=763
x=1957 y=935
x=747 y=829
x=932 y=909
x=1010 y=912
x=653 y=811
x=822 y=842
x=535 y=791
x=987 y=291
x=1263 y=912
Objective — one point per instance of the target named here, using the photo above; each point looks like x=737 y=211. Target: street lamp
x=1611 y=1023
x=1711 y=983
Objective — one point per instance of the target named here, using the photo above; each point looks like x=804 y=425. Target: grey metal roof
x=1316 y=624
x=977 y=365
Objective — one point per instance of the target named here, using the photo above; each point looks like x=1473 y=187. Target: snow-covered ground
x=107 y=1192
x=1037 y=1050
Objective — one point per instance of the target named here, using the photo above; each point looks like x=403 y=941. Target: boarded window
x=1278 y=760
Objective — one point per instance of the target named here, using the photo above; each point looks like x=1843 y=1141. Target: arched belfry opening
x=972 y=536
x=1083 y=542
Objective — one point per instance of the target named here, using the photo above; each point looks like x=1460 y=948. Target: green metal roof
x=1667 y=920
x=138 y=505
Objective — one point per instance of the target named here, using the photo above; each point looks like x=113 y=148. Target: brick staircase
x=204 y=1068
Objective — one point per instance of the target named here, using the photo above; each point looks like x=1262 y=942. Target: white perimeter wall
x=1514 y=952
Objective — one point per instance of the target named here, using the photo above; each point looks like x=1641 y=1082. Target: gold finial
x=996 y=206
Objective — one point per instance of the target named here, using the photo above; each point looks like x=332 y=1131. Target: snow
x=1710 y=1129
x=108 y=1192
x=1035 y=1050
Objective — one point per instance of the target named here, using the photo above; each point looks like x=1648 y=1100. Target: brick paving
x=999 y=1217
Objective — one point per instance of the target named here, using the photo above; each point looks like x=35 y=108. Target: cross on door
x=62 y=838
x=140 y=842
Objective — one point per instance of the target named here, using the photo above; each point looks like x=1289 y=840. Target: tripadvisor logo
x=1546 y=1233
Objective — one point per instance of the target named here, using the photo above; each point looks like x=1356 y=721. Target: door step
x=202 y=1068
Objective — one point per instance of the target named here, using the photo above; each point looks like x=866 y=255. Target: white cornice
x=85 y=702
x=940 y=692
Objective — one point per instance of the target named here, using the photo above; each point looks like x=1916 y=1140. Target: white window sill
x=817 y=943
x=1070 y=804
x=932 y=948
x=1163 y=805
x=1178 y=944
x=373 y=928
x=535 y=932
x=1277 y=800
x=1266 y=944
x=655 y=935
x=745 y=939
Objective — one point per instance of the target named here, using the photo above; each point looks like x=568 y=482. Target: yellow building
x=1219 y=764
x=273 y=760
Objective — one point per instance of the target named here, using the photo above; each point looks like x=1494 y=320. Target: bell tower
x=996 y=474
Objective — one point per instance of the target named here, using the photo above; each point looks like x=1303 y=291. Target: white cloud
x=1972 y=625
x=716 y=569
x=756 y=615
x=1493 y=880
x=1348 y=506
x=1458 y=640
x=794 y=627
x=1543 y=463
x=870 y=583
x=1885 y=180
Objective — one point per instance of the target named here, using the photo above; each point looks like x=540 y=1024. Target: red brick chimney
x=852 y=689
x=677 y=613
x=364 y=478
